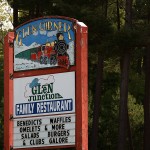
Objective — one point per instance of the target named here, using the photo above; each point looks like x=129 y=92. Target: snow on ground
x=24 y=64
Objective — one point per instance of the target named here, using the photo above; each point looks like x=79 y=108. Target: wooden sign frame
x=81 y=82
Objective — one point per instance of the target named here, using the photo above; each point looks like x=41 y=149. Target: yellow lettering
x=18 y=41
x=46 y=25
x=28 y=31
x=34 y=29
x=60 y=26
x=65 y=27
x=43 y=26
x=56 y=26
x=40 y=26
x=69 y=36
x=49 y=25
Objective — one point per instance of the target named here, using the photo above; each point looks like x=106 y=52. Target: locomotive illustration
x=53 y=53
x=45 y=54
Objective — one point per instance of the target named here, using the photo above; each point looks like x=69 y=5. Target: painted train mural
x=50 y=53
x=39 y=46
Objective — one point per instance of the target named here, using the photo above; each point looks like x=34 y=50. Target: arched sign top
x=48 y=17
x=44 y=43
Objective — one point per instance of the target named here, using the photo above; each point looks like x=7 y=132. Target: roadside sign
x=45 y=88
x=44 y=131
x=44 y=95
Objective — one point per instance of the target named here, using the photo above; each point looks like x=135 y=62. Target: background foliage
x=110 y=41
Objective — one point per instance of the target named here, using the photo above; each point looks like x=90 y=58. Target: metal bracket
x=75 y=27
x=11 y=117
x=11 y=148
x=11 y=41
x=11 y=45
x=11 y=76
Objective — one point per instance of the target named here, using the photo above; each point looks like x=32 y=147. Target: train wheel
x=45 y=60
x=53 y=60
x=41 y=60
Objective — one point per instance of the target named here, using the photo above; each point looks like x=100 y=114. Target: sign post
x=46 y=91
x=82 y=88
x=8 y=91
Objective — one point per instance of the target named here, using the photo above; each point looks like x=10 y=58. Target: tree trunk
x=124 y=123
x=125 y=62
x=38 y=10
x=31 y=13
x=97 y=99
x=118 y=15
x=129 y=132
x=147 y=102
x=98 y=91
x=15 y=14
x=139 y=65
x=106 y=7
x=128 y=14
x=128 y=25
